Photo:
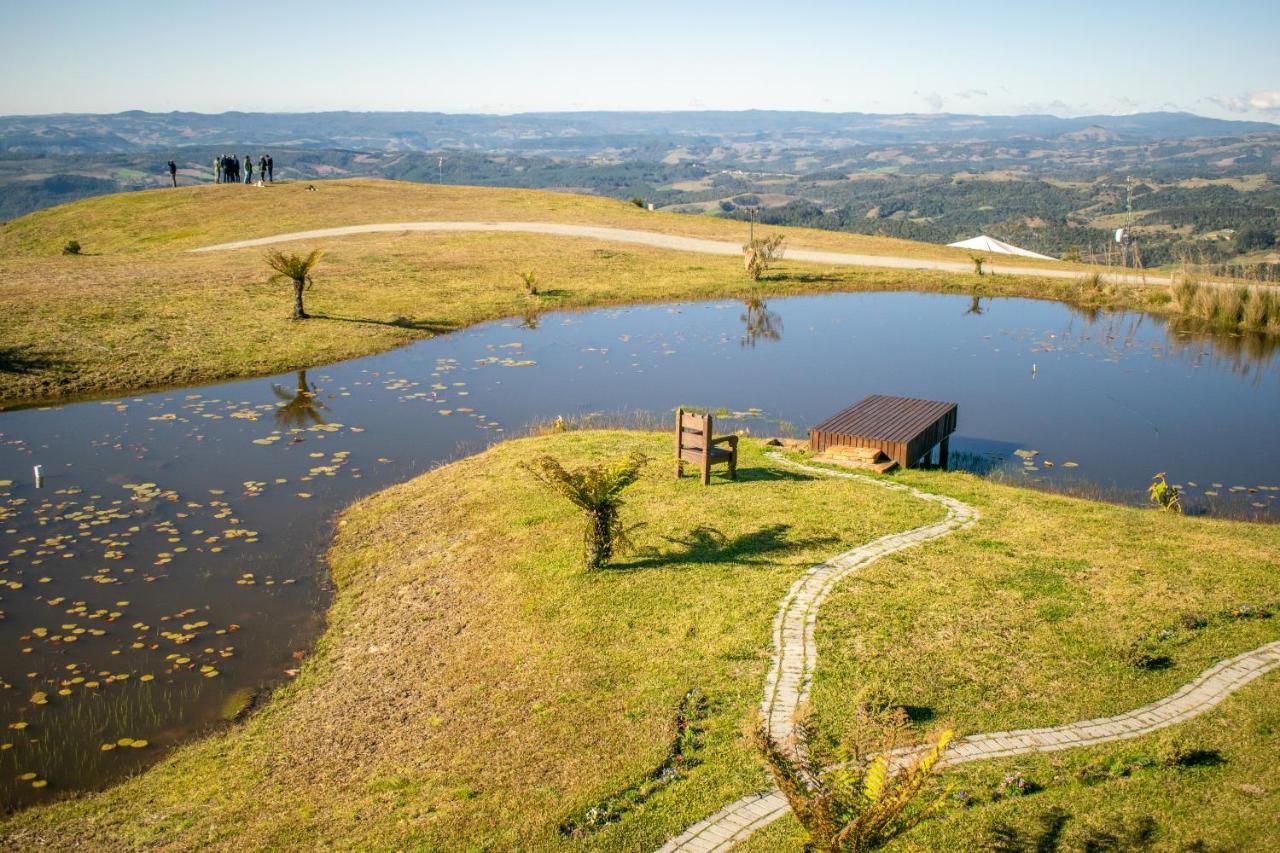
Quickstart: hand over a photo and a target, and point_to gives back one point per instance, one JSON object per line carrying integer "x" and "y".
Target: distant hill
{"x": 568, "y": 132}
{"x": 1054, "y": 185}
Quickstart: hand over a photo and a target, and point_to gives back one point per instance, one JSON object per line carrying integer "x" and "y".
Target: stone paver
{"x": 795, "y": 656}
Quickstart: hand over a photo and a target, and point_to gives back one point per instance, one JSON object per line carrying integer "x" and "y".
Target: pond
{"x": 171, "y": 564}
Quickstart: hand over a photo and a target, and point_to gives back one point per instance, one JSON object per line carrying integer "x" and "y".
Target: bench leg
{"x": 733, "y": 466}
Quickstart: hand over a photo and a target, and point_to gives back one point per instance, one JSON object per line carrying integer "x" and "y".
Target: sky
{"x": 1219, "y": 59}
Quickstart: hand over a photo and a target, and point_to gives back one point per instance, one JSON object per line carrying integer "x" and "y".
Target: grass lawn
{"x": 137, "y": 311}
{"x": 475, "y": 689}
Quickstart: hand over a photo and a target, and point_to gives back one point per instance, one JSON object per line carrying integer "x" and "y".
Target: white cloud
{"x": 934, "y": 100}
{"x": 1268, "y": 102}
{"x": 971, "y": 93}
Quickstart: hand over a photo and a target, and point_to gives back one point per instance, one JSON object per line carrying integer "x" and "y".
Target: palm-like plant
{"x": 859, "y": 803}
{"x": 597, "y": 491}
{"x": 297, "y": 270}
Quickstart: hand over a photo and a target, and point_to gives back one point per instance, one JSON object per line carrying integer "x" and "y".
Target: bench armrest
{"x": 730, "y": 439}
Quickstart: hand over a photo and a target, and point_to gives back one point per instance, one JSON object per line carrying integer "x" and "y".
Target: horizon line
{"x": 674, "y": 111}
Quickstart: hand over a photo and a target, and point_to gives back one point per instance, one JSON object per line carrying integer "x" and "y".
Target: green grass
{"x": 475, "y": 688}
{"x": 137, "y": 311}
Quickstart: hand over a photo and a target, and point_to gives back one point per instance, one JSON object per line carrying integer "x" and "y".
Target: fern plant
{"x": 860, "y": 802}
{"x": 597, "y": 491}
{"x": 1166, "y": 497}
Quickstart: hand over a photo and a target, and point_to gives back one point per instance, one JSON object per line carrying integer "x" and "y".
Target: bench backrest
{"x": 692, "y": 431}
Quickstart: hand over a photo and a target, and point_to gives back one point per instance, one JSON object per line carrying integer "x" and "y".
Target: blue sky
{"x": 1216, "y": 59}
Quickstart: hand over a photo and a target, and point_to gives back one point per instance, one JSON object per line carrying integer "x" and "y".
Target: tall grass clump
{"x": 597, "y": 491}
{"x": 1205, "y": 304}
{"x": 1231, "y": 300}
{"x": 1183, "y": 289}
{"x": 1260, "y": 308}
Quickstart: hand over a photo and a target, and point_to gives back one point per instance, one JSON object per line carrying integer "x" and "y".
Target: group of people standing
{"x": 229, "y": 170}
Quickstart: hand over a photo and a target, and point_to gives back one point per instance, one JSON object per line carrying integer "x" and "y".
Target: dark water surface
{"x": 172, "y": 562}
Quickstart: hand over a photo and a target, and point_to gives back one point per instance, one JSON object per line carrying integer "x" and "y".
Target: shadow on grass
{"x": 23, "y": 359}
{"x": 768, "y": 475}
{"x": 803, "y": 277}
{"x": 435, "y": 327}
{"x": 704, "y": 545}
{"x": 1119, "y": 834}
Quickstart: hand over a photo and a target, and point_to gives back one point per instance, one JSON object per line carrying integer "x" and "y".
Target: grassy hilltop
{"x": 138, "y": 311}
{"x": 475, "y": 688}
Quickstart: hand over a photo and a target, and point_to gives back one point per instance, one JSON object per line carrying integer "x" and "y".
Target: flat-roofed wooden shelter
{"x": 905, "y": 429}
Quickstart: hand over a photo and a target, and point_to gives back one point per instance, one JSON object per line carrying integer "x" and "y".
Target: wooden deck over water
{"x": 903, "y": 428}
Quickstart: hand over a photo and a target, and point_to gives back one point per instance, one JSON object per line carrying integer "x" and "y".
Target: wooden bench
{"x": 695, "y": 445}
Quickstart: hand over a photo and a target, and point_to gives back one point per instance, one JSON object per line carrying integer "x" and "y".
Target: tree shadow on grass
{"x": 24, "y": 359}
{"x": 801, "y": 277}
{"x": 704, "y": 545}
{"x": 770, "y": 475}
{"x": 435, "y": 327}
{"x": 1118, "y": 835}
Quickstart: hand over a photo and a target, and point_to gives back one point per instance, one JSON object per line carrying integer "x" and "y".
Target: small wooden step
{"x": 880, "y": 466}
{"x": 870, "y": 455}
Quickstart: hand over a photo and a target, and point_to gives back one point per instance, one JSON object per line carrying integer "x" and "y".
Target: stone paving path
{"x": 795, "y": 656}
{"x": 687, "y": 244}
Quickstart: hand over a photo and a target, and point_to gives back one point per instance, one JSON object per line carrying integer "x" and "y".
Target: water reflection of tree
{"x": 531, "y": 318}
{"x": 759, "y": 322}
{"x": 975, "y": 306}
{"x": 300, "y": 407}
{"x": 1243, "y": 351}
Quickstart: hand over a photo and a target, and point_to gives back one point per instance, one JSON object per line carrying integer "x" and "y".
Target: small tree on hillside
{"x": 597, "y": 491}
{"x": 759, "y": 254}
{"x": 297, "y": 270}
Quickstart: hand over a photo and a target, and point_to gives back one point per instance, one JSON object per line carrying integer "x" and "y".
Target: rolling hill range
{"x": 1203, "y": 189}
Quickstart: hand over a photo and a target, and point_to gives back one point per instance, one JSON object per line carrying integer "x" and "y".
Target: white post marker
{"x": 39, "y": 472}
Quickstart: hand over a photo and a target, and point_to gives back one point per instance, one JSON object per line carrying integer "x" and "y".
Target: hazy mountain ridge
{"x": 573, "y": 132}
{"x": 1202, "y": 187}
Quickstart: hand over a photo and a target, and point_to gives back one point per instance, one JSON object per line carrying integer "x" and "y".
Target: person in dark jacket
{"x": 262, "y": 167}
{"x": 271, "y": 170}
{"x": 173, "y": 172}
{"x": 248, "y": 169}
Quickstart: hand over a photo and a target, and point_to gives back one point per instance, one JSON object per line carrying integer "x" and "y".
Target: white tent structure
{"x": 983, "y": 243}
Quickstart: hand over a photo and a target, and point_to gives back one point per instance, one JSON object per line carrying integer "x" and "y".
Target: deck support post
{"x": 944, "y": 450}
